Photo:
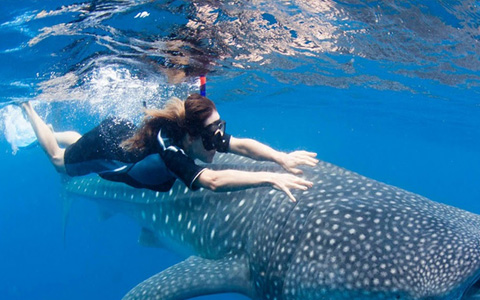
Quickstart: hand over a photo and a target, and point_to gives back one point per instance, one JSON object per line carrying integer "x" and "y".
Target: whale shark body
{"x": 348, "y": 237}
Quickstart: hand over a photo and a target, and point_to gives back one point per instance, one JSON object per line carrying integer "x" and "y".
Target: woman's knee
{"x": 58, "y": 160}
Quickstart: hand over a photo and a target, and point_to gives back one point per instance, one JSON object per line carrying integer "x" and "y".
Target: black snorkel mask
{"x": 214, "y": 136}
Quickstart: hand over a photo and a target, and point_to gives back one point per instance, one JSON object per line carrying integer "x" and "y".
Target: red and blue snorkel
{"x": 203, "y": 85}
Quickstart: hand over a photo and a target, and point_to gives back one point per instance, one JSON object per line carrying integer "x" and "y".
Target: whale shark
{"x": 347, "y": 237}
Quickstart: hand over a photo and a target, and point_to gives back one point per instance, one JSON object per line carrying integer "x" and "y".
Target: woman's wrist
{"x": 280, "y": 158}
{"x": 267, "y": 178}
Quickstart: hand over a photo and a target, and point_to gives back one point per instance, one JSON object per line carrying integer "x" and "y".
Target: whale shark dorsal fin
{"x": 196, "y": 276}
{"x": 66, "y": 206}
{"x": 148, "y": 239}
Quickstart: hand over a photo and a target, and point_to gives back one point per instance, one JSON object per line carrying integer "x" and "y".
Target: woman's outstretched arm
{"x": 258, "y": 151}
{"x": 227, "y": 180}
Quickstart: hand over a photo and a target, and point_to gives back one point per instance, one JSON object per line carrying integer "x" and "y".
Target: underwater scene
{"x": 386, "y": 89}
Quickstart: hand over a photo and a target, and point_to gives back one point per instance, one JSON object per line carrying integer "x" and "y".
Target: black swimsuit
{"x": 99, "y": 151}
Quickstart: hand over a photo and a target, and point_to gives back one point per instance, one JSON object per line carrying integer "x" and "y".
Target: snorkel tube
{"x": 203, "y": 85}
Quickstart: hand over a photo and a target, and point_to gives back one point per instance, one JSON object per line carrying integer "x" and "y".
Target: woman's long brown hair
{"x": 197, "y": 109}
{"x": 177, "y": 118}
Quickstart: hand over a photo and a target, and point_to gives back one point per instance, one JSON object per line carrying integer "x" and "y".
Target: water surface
{"x": 389, "y": 89}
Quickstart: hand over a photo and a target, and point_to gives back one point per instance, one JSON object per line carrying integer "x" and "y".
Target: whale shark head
{"x": 348, "y": 237}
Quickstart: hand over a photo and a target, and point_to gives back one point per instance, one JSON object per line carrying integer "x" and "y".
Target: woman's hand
{"x": 284, "y": 182}
{"x": 290, "y": 161}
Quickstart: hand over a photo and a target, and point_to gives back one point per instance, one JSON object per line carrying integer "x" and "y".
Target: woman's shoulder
{"x": 170, "y": 134}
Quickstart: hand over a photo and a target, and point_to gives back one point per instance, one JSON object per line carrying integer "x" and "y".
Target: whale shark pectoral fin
{"x": 194, "y": 277}
{"x": 104, "y": 214}
{"x": 148, "y": 239}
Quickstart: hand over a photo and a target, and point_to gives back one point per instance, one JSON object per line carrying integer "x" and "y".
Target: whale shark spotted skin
{"x": 347, "y": 237}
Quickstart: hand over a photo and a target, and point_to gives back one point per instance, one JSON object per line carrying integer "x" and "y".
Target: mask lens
{"x": 212, "y": 135}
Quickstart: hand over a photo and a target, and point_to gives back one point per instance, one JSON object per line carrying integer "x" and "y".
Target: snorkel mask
{"x": 214, "y": 136}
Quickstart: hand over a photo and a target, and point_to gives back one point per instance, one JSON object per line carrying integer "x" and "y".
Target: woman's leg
{"x": 46, "y": 138}
{"x": 66, "y": 138}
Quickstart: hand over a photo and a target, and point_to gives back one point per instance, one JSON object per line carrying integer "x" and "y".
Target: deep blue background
{"x": 427, "y": 142}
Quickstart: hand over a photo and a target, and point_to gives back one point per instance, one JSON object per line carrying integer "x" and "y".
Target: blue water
{"x": 387, "y": 89}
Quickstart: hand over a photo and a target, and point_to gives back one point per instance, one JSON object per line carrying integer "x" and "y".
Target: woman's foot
{"x": 26, "y": 107}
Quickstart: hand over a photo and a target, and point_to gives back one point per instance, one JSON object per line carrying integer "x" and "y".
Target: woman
{"x": 164, "y": 148}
